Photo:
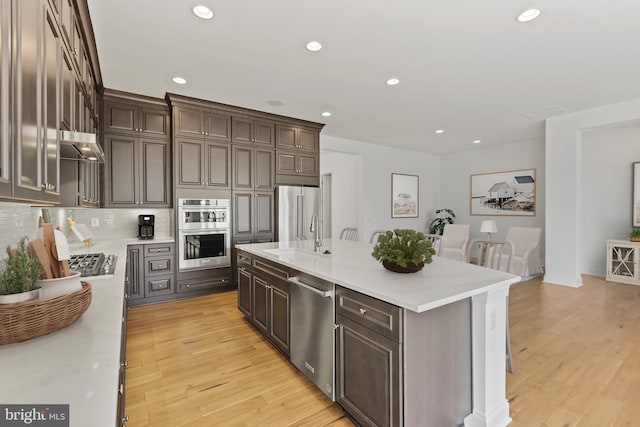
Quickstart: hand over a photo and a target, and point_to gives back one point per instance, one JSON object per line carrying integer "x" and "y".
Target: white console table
{"x": 623, "y": 261}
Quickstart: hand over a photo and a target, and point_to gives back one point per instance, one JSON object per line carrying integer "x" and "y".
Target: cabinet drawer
{"x": 202, "y": 284}
{"x": 376, "y": 315}
{"x": 159, "y": 286}
{"x": 244, "y": 260}
{"x": 155, "y": 266}
{"x": 158, "y": 249}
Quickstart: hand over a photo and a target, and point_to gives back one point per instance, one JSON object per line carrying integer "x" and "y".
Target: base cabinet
{"x": 150, "y": 272}
{"x": 623, "y": 261}
{"x": 263, "y": 297}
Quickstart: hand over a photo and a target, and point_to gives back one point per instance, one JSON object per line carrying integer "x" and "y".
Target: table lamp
{"x": 488, "y": 226}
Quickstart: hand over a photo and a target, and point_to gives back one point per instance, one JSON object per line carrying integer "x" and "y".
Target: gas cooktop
{"x": 97, "y": 264}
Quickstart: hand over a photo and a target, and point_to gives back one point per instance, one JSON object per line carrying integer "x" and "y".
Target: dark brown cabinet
{"x": 202, "y": 164}
{"x": 253, "y": 168}
{"x": 208, "y": 124}
{"x": 263, "y": 297}
{"x": 253, "y": 217}
{"x": 36, "y": 60}
{"x": 253, "y": 131}
{"x": 137, "y": 172}
{"x": 150, "y": 272}
{"x": 134, "y": 119}
{"x": 297, "y": 155}
{"x": 368, "y": 341}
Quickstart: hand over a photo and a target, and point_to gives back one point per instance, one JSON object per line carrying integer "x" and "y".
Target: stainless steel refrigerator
{"x": 294, "y": 208}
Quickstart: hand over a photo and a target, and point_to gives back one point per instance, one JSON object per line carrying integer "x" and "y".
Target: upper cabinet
{"x": 130, "y": 118}
{"x": 297, "y": 155}
{"x": 47, "y": 84}
{"x": 297, "y": 138}
{"x": 253, "y": 131}
{"x": 202, "y": 124}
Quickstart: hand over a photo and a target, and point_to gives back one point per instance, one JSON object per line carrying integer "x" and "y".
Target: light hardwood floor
{"x": 197, "y": 362}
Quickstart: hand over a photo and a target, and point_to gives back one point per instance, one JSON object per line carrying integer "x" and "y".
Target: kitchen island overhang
{"x": 439, "y": 284}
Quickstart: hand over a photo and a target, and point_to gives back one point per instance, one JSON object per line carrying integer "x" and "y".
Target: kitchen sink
{"x": 295, "y": 252}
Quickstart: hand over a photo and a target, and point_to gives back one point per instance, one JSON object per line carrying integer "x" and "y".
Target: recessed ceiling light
{"x": 393, "y": 81}
{"x": 477, "y": 141}
{"x": 528, "y": 15}
{"x": 202, "y": 12}
{"x": 275, "y": 103}
{"x": 439, "y": 131}
{"x": 179, "y": 80}
{"x": 326, "y": 114}
{"x": 314, "y": 46}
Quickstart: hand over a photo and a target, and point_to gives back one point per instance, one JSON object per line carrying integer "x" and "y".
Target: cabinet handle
{"x": 188, "y": 286}
{"x": 124, "y": 364}
{"x": 125, "y": 418}
{"x": 363, "y": 311}
{"x": 201, "y": 133}
{"x": 121, "y": 388}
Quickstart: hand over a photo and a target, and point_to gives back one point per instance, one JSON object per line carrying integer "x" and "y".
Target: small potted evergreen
{"x": 19, "y": 275}
{"x": 634, "y": 236}
{"x": 403, "y": 250}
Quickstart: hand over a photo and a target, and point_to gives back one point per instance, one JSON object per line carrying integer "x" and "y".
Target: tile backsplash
{"x": 18, "y": 220}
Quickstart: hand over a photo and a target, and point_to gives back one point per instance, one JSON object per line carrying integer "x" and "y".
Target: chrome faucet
{"x": 315, "y": 229}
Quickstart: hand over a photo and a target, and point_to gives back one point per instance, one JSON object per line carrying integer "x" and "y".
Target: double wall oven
{"x": 204, "y": 234}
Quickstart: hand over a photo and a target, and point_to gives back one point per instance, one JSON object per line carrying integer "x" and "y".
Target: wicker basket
{"x": 30, "y": 319}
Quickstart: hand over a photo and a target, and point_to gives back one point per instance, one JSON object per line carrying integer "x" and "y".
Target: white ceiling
{"x": 465, "y": 66}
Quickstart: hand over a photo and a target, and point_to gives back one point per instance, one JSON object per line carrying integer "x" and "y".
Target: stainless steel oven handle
{"x": 298, "y": 282}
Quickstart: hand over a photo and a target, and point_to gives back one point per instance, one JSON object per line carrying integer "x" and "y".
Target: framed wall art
{"x": 404, "y": 196}
{"x": 636, "y": 194}
{"x": 504, "y": 193}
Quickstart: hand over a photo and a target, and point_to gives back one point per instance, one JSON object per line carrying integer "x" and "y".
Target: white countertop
{"x": 77, "y": 365}
{"x": 351, "y": 265}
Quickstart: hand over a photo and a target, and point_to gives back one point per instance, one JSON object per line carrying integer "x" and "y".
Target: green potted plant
{"x": 403, "y": 250}
{"x": 634, "y": 236}
{"x": 443, "y": 217}
{"x": 19, "y": 275}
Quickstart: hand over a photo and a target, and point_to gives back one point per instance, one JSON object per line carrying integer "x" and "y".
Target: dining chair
{"x": 497, "y": 255}
{"x": 453, "y": 244}
{"x": 375, "y": 235}
{"x": 526, "y": 250}
{"x": 349, "y": 233}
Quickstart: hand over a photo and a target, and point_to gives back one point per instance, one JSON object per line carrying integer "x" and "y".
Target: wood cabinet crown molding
{"x": 186, "y": 101}
{"x": 119, "y": 95}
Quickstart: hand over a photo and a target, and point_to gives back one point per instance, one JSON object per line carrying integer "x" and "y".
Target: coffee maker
{"x": 145, "y": 226}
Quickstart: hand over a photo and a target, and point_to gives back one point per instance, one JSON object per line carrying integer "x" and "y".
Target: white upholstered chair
{"x": 526, "y": 250}
{"x": 349, "y": 233}
{"x": 453, "y": 244}
{"x": 496, "y": 255}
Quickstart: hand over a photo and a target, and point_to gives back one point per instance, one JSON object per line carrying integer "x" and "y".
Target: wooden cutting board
{"x": 38, "y": 250}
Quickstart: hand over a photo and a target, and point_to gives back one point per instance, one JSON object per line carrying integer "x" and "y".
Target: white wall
{"x": 345, "y": 170}
{"x": 606, "y": 190}
{"x": 565, "y": 212}
{"x": 457, "y": 169}
{"x": 374, "y": 196}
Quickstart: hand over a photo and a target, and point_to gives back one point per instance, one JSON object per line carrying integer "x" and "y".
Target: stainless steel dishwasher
{"x": 312, "y": 332}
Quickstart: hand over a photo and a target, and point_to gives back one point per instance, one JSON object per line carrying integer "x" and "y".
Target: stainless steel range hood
{"x": 80, "y": 146}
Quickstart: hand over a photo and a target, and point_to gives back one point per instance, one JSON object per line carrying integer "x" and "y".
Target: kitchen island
{"x": 440, "y": 307}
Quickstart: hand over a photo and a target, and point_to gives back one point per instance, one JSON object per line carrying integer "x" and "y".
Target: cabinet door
{"x": 367, "y": 375}
{"x": 280, "y": 315}
{"x": 286, "y": 137}
{"x": 28, "y": 130}
{"x": 264, "y": 133}
{"x": 308, "y": 164}
{"x": 264, "y": 169}
{"x": 67, "y": 97}
{"x": 217, "y": 126}
{"x": 242, "y": 219}
{"x": 153, "y": 122}
{"x": 244, "y": 291}
{"x": 242, "y": 129}
{"x": 189, "y": 163}
{"x": 242, "y": 167}
{"x": 286, "y": 163}
{"x": 51, "y": 78}
{"x": 120, "y": 117}
{"x": 135, "y": 272}
{"x": 188, "y": 123}
{"x": 5, "y": 101}
{"x": 66, "y": 19}
{"x": 308, "y": 140}
{"x": 121, "y": 159}
{"x": 218, "y": 165}
{"x": 263, "y": 217}
{"x": 154, "y": 173}
{"x": 261, "y": 303}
